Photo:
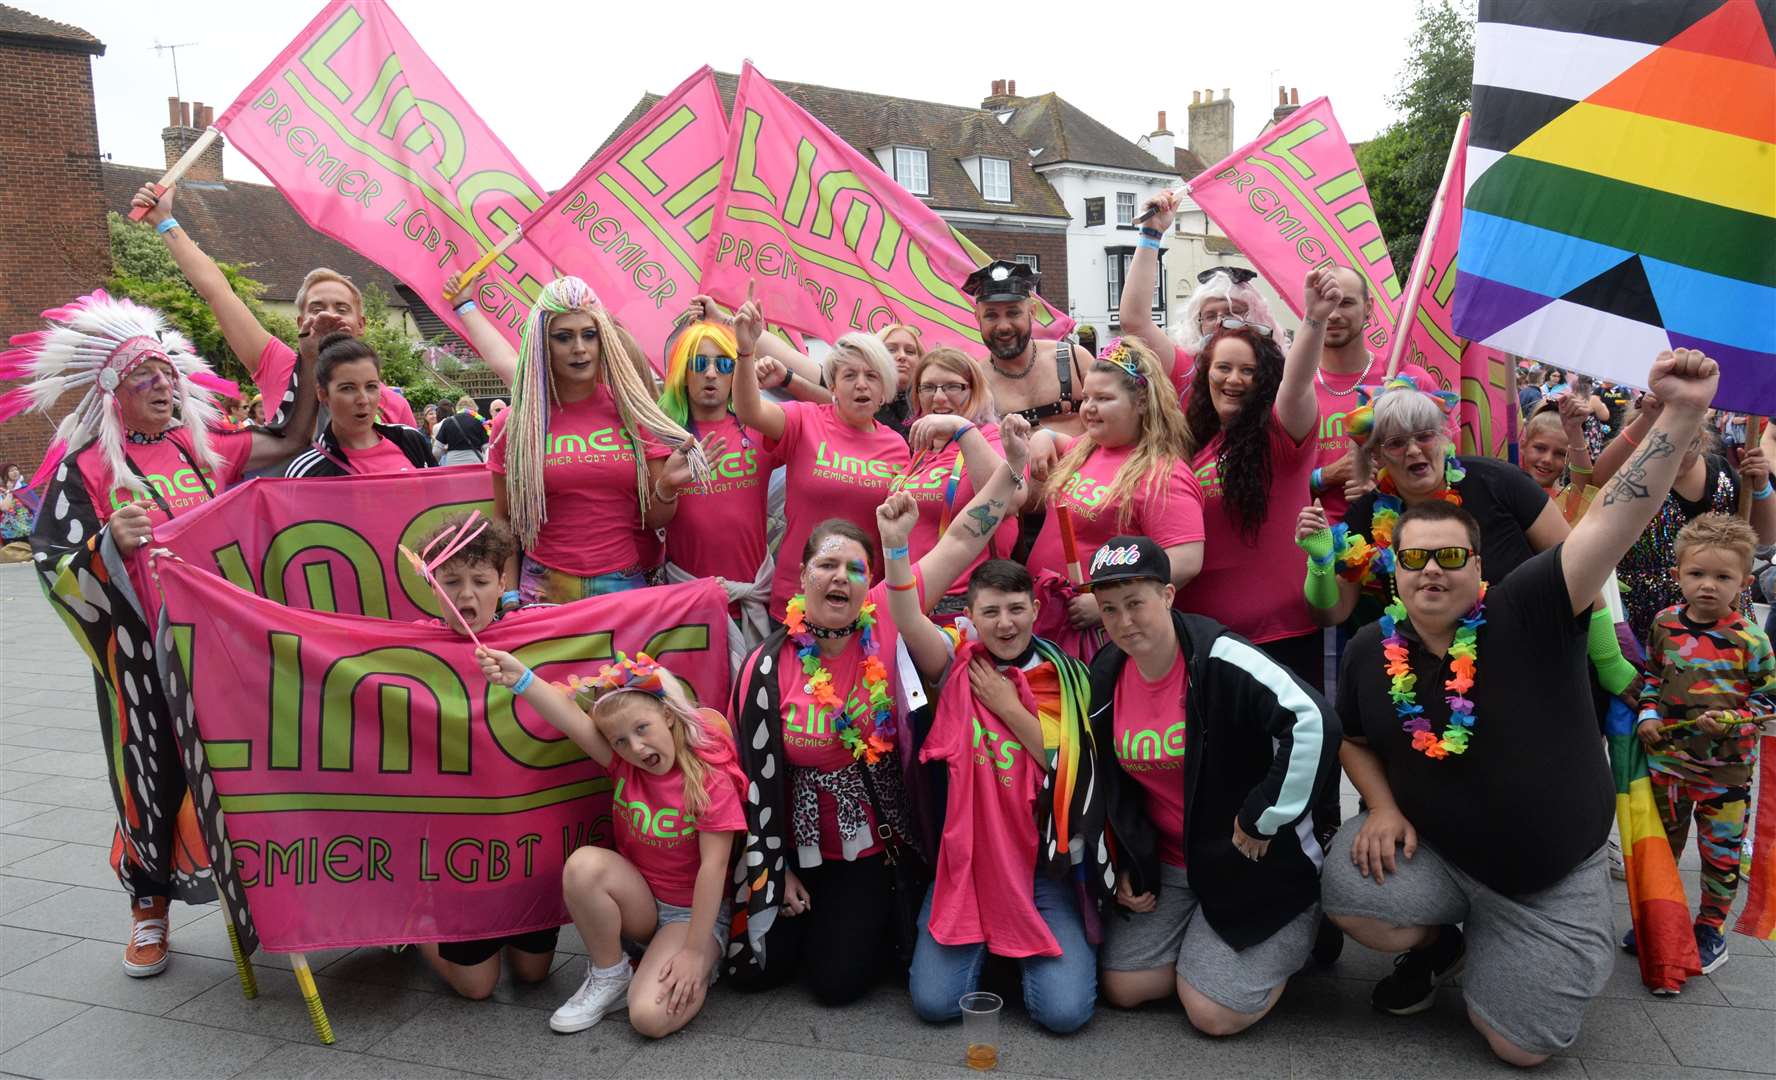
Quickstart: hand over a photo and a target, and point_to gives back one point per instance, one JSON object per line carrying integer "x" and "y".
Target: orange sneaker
{"x": 146, "y": 953}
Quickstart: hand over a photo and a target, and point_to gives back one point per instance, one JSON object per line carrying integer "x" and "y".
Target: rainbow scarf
{"x": 1759, "y": 917}
{"x": 1665, "y": 942}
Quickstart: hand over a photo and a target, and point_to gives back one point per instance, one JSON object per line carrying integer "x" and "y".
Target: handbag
{"x": 908, "y": 875}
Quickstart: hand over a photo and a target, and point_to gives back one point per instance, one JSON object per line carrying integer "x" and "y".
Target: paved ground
{"x": 67, "y": 1010}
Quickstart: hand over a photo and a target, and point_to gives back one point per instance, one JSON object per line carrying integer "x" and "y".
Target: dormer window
{"x": 911, "y": 170}
{"x": 996, "y": 180}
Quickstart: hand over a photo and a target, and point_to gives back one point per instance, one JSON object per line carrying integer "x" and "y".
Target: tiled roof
{"x": 948, "y": 133}
{"x": 22, "y": 26}
{"x": 1190, "y": 164}
{"x": 253, "y": 225}
{"x": 1058, "y": 131}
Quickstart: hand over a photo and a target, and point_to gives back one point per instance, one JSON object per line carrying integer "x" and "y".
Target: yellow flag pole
{"x": 454, "y": 287}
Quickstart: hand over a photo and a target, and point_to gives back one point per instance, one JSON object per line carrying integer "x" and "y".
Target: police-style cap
{"x": 1129, "y": 558}
{"x": 1001, "y": 280}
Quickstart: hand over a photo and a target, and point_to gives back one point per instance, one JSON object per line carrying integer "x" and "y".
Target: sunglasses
{"x": 1449, "y": 558}
{"x": 1426, "y": 440}
{"x": 1234, "y": 322}
{"x": 723, "y": 364}
{"x": 1239, "y": 274}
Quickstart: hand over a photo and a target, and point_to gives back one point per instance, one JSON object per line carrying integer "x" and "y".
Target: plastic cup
{"x": 980, "y": 1027}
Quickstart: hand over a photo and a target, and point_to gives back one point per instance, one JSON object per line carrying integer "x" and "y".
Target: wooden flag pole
{"x": 454, "y": 287}
{"x": 179, "y": 169}
{"x": 1421, "y": 262}
{"x": 1754, "y": 436}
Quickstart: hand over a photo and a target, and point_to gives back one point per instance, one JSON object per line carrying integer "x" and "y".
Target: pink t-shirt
{"x": 272, "y": 376}
{"x": 1170, "y": 514}
{"x": 1241, "y": 585}
{"x": 833, "y": 471}
{"x": 988, "y": 855}
{"x": 811, "y": 738}
{"x": 384, "y": 457}
{"x": 1149, "y": 740}
{"x": 1335, "y": 403}
{"x": 927, "y": 487}
{"x": 395, "y": 408}
{"x": 719, "y": 530}
{"x": 653, "y": 830}
{"x": 171, "y": 468}
{"x": 589, "y": 484}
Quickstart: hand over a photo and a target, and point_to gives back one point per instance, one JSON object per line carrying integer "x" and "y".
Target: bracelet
{"x": 1148, "y": 230}
{"x": 788, "y": 377}
{"x": 1319, "y": 480}
{"x": 1628, "y": 437}
{"x": 168, "y": 225}
{"x": 1767, "y": 491}
{"x": 1148, "y": 242}
{"x": 465, "y": 305}
{"x": 895, "y": 553}
{"x": 908, "y": 587}
{"x": 523, "y": 682}
{"x": 511, "y": 599}
{"x": 660, "y": 496}
{"x": 1580, "y": 469}
{"x": 961, "y": 431}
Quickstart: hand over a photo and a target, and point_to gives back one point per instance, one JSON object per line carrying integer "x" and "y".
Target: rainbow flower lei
{"x": 880, "y": 739}
{"x": 1464, "y": 659}
{"x": 1370, "y": 563}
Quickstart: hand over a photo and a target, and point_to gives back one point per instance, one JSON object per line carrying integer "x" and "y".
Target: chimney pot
{"x": 1226, "y": 94}
{"x": 1011, "y": 87}
{"x": 172, "y": 112}
{"x": 1162, "y": 120}
{"x": 1294, "y": 96}
{"x": 1282, "y": 96}
{"x": 184, "y": 114}
{"x": 998, "y": 87}
{"x": 1196, "y": 97}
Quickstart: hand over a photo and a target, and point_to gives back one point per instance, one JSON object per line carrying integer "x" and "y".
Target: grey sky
{"x": 552, "y": 79}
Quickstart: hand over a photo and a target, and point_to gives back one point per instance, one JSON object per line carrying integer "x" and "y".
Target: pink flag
{"x": 1483, "y": 376}
{"x": 633, "y": 222}
{"x": 1293, "y": 200}
{"x": 833, "y": 242}
{"x": 374, "y": 147}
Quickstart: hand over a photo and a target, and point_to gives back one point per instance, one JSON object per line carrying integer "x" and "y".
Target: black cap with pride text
{"x": 1129, "y": 558}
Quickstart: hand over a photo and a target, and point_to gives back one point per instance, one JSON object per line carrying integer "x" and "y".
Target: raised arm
{"x": 272, "y": 447}
{"x": 968, "y": 534}
{"x": 484, "y": 337}
{"x": 1136, "y": 304}
{"x": 1297, "y": 406}
{"x": 504, "y": 669}
{"x": 1685, "y": 381}
{"x": 753, "y": 408}
{"x": 895, "y": 519}
{"x": 1623, "y": 446}
{"x": 239, "y": 328}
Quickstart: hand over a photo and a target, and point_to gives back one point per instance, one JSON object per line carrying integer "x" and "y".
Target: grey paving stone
{"x": 1741, "y": 945}
{"x": 1366, "y": 1059}
{"x": 1624, "y": 982}
{"x": 17, "y": 893}
{"x": 1714, "y": 1037}
{"x": 507, "y": 1040}
{"x": 14, "y": 848}
{"x": 14, "y": 757}
{"x": 1618, "y": 1029}
{"x": 100, "y": 914}
{"x": 16, "y": 778}
{"x": 19, "y": 946}
{"x": 27, "y": 1016}
{"x": 83, "y": 764}
{"x": 13, "y": 730}
{"x": 406, "y": 969}
{"x": 12, "y": 810}
{"x": 58, "y": 738}
{"x": 359, "y": 1014}
{"x": 94, "y": 828}
{"x": 1748, "y": 982}
{"x": 60, "y": 791}
{"x": 303, "y": 1061}
{"x": 203, "y": 933}
{"x": 79, "y": 718}
{"x": 92, "y": 971}
{"x": 111, "y": 1043}
{"x": 698, "y": 1053}
{"x": 70, "y": 864}
{"x": 1629, "y": 1070}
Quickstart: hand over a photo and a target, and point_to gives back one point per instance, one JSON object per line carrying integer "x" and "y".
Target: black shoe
{"x": 1417, "y": 974}
{"x": 1328, "y": 943}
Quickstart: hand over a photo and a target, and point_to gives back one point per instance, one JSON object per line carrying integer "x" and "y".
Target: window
{"x": 1116, "y": 262}
{"x": 1094, "y": 212}
{"x": 1030, "y": 261}
{"x": 1125, "y": 208}
{"x": 995, "y": 179}
{"x": 910, "y": 170}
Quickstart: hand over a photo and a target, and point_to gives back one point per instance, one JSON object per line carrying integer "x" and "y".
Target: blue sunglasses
{"x": 723, "y": 364}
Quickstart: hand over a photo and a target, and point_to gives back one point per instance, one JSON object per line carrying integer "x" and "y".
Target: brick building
{"x": 53, "y": 243}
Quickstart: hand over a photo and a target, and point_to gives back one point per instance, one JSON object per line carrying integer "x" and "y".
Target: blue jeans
{"x": 1059, "y": 991}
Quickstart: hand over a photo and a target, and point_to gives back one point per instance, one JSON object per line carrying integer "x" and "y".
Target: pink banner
{"x": 362, "y": 783}
{"x": 1484, "y": 376}
{"x": 1293, "y": 200}
{"x": 633, "y": 222}
{"x": 374, "y": 147}
{"x": 834, "y": 243}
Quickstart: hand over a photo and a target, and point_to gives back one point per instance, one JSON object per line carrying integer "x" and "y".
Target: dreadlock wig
{"x": 675, "y": 400}
{"x": 527, "y": 431}
{"x": 94, "y": 343}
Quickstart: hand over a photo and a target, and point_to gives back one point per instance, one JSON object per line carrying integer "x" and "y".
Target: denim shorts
{"x": 666, "y": 914}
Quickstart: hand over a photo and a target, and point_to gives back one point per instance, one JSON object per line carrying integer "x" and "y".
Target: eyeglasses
{"x": 1425, "y": 440}
{"x": 1449, "y": 558}
{"x": 723, "y": 364}
{"x": 1234, "y": 322}
{"x": 1239, "y": 274}
{"x": 951, "y": 390}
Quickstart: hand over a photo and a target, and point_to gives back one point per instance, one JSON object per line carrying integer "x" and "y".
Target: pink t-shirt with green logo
{"x": 1149, "y": 745}
{"x": 170, "y": 467}
{"x": 927, "y": 488}
{"x": 1241, "y": 585}
{"x": 653, "y": 830}
{"x": 1337, "y": 396}
{"x": 833, "y": 471}
{"x": 1170, "y": 513}
{"x": 589, "y": 485}
{"x": 719, "y": 530}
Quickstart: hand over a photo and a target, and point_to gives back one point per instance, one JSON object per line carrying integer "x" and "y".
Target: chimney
{"x": 1196, "y": 97}
{"x": 1003, "y": 97}
{"x": 186, "y": 120}
{"x": 1162, "y": 144}
{"x": 1211, "y": 126}
{"x": 1286, "y": 104}
{"x": 1011, "y": 87}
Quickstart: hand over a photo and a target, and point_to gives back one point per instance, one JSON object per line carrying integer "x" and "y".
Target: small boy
{"x": 1710, "y": 674}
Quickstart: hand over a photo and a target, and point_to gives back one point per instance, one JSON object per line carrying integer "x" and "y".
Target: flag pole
{"x": 1754, "y": 436}
{"x": 454, "y": 287}
{"x": 179, "y": 169}
{"x": 1422, "y": 259}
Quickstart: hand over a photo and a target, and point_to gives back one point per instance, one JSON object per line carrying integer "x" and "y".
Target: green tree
{"x": 403, "y": 359}
{"x": 1404, "y": 164}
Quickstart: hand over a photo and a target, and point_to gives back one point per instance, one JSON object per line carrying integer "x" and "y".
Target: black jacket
{"x": 325, "y": 458}
{"x": 1260, "y": 745}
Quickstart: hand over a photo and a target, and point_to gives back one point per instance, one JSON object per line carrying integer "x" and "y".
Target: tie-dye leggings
{"x": 1720, "y": 811}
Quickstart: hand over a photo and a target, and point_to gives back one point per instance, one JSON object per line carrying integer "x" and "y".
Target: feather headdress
{"x": 94, "y": 343}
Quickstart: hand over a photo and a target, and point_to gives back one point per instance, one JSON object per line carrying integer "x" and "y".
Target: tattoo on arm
{"x": 986, "y": 517}
{"x": 1630, "y": 483}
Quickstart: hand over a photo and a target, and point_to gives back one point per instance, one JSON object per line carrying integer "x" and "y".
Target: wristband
{"x": 1579, "y": 469}
{"x": 1147, "y": 242}
{"x": 1767, "y": 491}
{"x": 1319, "y": 480}
{"x": 523, "y": 682}
{"x": 1628, "y": 437}
{"x": 660, "y": 496}
{"x": 908, "y": 587}
{"x": 895, "y": 553}
{"x": 168, "y": 225}
{"x": 466, "y": 305}
{"x": 511, "y": 599}
{"x": 961, "y": 431}
{"x": 1148, "y": 230}
{"x": 788, "y": 377}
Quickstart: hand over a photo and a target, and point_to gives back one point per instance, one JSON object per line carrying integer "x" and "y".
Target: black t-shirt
{"x": 1532, "y": 797}
{"x": 459, "y": 431}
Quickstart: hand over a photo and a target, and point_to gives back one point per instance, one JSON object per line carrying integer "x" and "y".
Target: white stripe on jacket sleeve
{"x": 1307, "y": 738}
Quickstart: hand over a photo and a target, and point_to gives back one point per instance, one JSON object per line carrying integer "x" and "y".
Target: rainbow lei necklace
{"x": 1464, "y": 658}
{"x": 877, "y": 705}
{"x": 1369, "y": 563}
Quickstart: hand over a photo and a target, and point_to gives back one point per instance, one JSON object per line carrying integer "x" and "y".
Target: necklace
{"x": 880, "y": 739}
{"x": 1370, "y": 563}
{"x": 1463, "y": 660}
{"x": 1029, "y": 367}
{"x": 140, "y": 439}
{"x": 1320, "y": 374}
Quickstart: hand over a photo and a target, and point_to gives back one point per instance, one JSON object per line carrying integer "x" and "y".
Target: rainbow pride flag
{"x": 1621, "y": 188}
{"x": 1758, "y": 919}
{"x": 1662, "y": 926}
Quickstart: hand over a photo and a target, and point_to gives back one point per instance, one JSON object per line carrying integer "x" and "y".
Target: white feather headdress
{"x": 94, "y": 342}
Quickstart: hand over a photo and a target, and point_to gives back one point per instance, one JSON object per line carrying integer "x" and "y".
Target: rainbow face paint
{"x": 858, "y": 571}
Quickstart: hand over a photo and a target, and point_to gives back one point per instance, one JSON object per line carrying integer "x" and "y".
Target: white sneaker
{"x": 596, "y": 996}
